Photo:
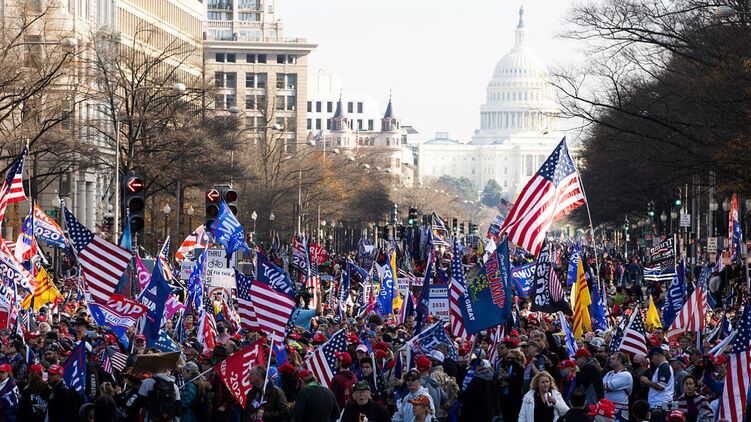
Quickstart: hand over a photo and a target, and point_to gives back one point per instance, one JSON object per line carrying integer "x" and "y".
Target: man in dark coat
{"x": 314, "y": 403}
{"x": 363, "y": 406}
{"x": 481, "y": 399}
{"x": 64, "y": 402}
{"x": 269, "y": 406}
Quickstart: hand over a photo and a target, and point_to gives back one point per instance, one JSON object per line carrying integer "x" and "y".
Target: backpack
{"x": 162, "y": 401}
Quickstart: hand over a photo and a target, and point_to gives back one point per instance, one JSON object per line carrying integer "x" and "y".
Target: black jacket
{"x": 275, "y": 408}
{"x": 373, "y": 411}
{"x": 315, "y": 403}
{"x": 33, "y": 407}
{"x": 576, "y": 415}
{"x": 481, "y": 399}
{"x": 64, "y": 403}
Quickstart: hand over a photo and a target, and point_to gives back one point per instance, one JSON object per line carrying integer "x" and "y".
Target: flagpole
{"x": 589, "y": 216}
{"x": 268, "y": 366}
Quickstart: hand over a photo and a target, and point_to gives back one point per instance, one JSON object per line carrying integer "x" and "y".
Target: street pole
{"x": 116, "y": 205}
{"x": 299, "y": 200}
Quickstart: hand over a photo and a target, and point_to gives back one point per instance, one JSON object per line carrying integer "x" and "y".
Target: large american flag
{"x": 102, "y": 262}
{"x": 738, "y": 378}
{"x": 314, "y": 283}
{"x": 244, "y": 302}
{"x": 456, "y": 291}
{"x": 692, "y": 315}
{"x": 272, "y": 307}
{"x": 552, "y": 192}
{"x": 322, "y": 363}
{"x": 634, "y": 340}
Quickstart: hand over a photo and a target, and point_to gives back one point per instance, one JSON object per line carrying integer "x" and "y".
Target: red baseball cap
{"x": 568, "y": 363}
{"x": 604, "y": 408}
{"x": 36, "y": 369}
{"x": 5, "y": 368}
{"x": 55, "y": 370}
{"x": 582, "y": 353}
{"x": 345, "y": 358}
{"x": 422, "y": 363}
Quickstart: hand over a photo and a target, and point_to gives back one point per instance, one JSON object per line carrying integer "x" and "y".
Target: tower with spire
{"x": 340, "y": 122}
{"x": 389, "y": 122}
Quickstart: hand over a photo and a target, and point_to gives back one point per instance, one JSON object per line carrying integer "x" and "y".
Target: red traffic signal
{"x": 135, "y": 184}
{"x": 230, "y": 195}
{"x": 212, "y": 195}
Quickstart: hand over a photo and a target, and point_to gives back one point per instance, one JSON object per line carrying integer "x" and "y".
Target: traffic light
{"x": 472, "y": 228}
{"x": 461, "y": 228}
{"x": 134, "y": 201}
{"x": 384, "y": 234}
{"x": 230, "y": 197}
{"x": 454, "y": 224}
{"x": 213, "y": 199}
{"x": 401, "y": 231}
{"x": 651, "y": 209}
{"x": 677, "y": 203}
{"x": 412, "y": 217}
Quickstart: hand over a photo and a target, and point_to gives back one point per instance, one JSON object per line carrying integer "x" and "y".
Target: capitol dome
{"x": 519, "y": 96}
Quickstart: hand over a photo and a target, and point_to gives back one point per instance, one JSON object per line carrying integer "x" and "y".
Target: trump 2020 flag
{"x": 523, "y": 278}
{"x": 155, "y": 299}
{"x": 676, "y": 296}
{"x": 547, "y": 292}
{"x": 228, "y": 231}
{"x": 384, "y": 304}
{"x": 74, "y": 367}
{"x": 487, "y": 299}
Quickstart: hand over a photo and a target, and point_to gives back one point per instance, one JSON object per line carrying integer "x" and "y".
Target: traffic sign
{"x": 212, "y": 195}
{"x": 685, "y": 220}
{"x": 135, "y": 184}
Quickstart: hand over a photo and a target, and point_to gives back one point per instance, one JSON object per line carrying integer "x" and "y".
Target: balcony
{"x": 219, "y": 5}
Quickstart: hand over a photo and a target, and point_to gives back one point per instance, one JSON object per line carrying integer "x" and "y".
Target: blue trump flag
{"x": 573, "y": 263}
{"x": 267, "y": 272}
{"x": 345, "y": 284}
{"x": 385, "y": 301}
{"x": 676, "y": 296}
{"x": 164, "y": 343}
{"x": 523, "y": 277}
{"x": 434, "y": 335}
{"x": 195, "y": 284}
{"x": 597, "y": 309}
{"x": 228, "y": 231}
{"x": 155, "y": 298}
{"x": 487, "y": 300}
{"x": 74, "y": 374}
{"x": 568, "y": 335}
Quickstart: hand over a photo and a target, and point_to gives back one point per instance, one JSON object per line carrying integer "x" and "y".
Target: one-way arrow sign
{"x": 212, "y": 195}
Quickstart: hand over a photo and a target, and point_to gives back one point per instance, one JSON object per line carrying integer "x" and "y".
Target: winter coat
{"x": 275, "y": 407}
{"x": 64, "y": 403}
{"x": 404, "y": 414}
{"x": 188, "y": 396}
{"x": 437, "y": 393}
{"x": 315, "y": 403}
{"x": 527, "y": 413}
{"x": 33, "y": 407}
{"x": 343, "y": 385}
{"x": 9, "y": 396}
{"x": 482, "y": 398}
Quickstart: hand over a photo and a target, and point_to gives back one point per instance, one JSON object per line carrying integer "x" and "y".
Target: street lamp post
{"x": 271, "y": 225}
{"x": 166, "y": 210}
{"x": 253, "y": 217}
{"x": 191, "y": 211}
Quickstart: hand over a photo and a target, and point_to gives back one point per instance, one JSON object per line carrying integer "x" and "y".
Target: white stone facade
{"x": 519, "y": 126}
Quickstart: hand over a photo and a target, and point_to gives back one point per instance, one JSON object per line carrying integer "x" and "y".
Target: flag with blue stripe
{"x": 676, "y": 296}
{"x": 228, "y": 231}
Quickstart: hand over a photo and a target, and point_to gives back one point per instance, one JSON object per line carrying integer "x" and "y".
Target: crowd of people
{"x": 527, "y": 374}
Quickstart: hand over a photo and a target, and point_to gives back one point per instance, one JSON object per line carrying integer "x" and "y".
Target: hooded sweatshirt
{"x": 404, "y": 414}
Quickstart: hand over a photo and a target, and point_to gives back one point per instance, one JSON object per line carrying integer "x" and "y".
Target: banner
{"x": 155, "y": 298}
{"x": 163, "y": 343}
{"x": 235, "y": 369}
{"x": 663, "y": 253}
{"x": 47, "y": 229}
{"x": 522, "y": 278}
{"x": 547, "y": 292}
{"x": 439, "y": 302}
{"x": 74, "y": 374}
{"x": 228, "y": 231}
{"x": 487, "y": 299}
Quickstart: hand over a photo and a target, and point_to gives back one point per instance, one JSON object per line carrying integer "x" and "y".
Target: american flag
{"x": 102, "y": 262}
{"x": 552, "y": 192}
{"x": 456, "y": 291}
{"x": 615, "y": 341}
{"x": 634, "y": 339}
{"x": 439, "y": 232}
{"x": 14, "y": 179}
{"x": 198, "y": 239}
{"x": 496, "y": 334}
{"x": 273, "y": 308}
{"x": 322, "y": 363}
{"x": 314, "y": 283}
{"x": 244, "y": 302}
{"x": 164, "y": 259}
{"x": 737, "y": 380}
{"x": 207, "y": 325}
{"x": 105, "y": 363}
{"x": 692, "y": 315}
{"x": 659, "y": 274}
{"x": 117, "y": 360}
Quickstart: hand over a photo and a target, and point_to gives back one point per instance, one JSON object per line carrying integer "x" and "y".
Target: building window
{"x": 286, "y": 80}
{"x": 318, "y": 106}
{"x": 248, "y": 17}
{"x": 250, "y": 102}
{"x": 214, "y": 16}
{"x": 281, "y": 58}
{"x": 255, "y": 80}
{"x": 328, "y": 124}
{"x": 350, "y": 107}
{"x": 359, "y": 107}
{"x": 220, "y": 57}
{"x": 329, "y": 106}
{"x": 291, "y": 100}
{"x": 225, "y": 79}
{"x": 310, "y": 124}
{"x": 231, "y": 58}
{"x": 231, "y": 79}
{"x": 310, "y": 107}
{"x": 231, "y": 100}
{"x": 280, "y": 102}
{"x": 260, "y": 58}
{"x": 359, "y": 124}
{"x": 318, "y": 124}
{"x": 370, "y": 124}
{"x": 219, "y": 102}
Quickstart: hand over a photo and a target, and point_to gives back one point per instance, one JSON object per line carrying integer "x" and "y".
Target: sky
{"x": 436, "y": 56}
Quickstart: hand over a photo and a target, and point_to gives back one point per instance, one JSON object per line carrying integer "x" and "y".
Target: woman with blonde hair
{"x": 543, "y": 402}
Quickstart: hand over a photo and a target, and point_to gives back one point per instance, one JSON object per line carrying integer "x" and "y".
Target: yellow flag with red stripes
{"x": 44, "y": 292}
